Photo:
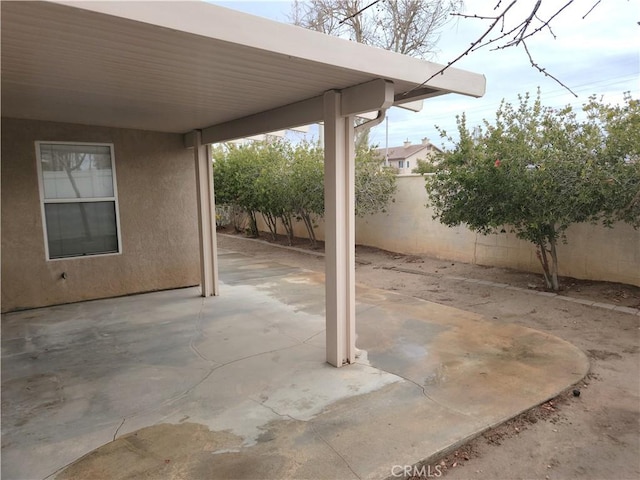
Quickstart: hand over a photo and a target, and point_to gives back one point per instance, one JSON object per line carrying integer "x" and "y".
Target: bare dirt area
{"x": 593, "y": 435}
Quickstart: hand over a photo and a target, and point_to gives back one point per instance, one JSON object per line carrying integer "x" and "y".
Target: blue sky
{"x": 597, "y": 55}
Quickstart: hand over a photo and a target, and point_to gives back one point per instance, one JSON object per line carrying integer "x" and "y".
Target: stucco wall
{"x": 593, "y": 252}
{"x": 156, "y": 192}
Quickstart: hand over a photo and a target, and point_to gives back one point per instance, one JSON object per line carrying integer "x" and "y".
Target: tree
{"x": 405, "y": 26}
{"x": 307, "y": 177}
{"x": 536, "y": 171}
{"x": 256, "y": 179}
{"x": 619, "y": 125}
{"x": 273, "y": 188}
{"x": 425, "y": 166}
{"x": 285, "y": 183}
{"x": 235, "y": 172}
{"x": 291, "y": 186}
{"x": 375, "y": 184}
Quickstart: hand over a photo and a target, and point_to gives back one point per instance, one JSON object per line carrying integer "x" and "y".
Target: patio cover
{"x": 214, "y": 74}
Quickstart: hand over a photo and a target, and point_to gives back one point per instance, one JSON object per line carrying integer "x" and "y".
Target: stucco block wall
{"x": 156, "y": 192}
{"x": 593, "y": 252}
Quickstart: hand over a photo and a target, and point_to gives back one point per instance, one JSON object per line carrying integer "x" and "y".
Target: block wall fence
{"x": 593, "y": 252}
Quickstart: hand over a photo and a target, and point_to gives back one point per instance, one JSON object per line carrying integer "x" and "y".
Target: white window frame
{"x": 44, "y": 201}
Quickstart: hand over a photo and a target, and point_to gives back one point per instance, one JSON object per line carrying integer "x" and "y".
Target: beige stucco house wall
{"x": 593, "y": 252}
{"x": 156, "y": 192}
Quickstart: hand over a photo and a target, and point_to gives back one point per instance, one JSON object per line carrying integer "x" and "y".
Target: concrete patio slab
{"x": 172, "y": 385}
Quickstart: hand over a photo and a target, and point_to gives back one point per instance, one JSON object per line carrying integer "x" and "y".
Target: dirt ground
{"x": 595, "y": 435}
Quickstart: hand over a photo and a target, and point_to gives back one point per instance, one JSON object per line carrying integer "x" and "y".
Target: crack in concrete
{"x": 118, "y": 429}
{"x": 186, "y": 392}
{"x": 73, "y": 461}
{"x": 313, "y": 336}
{"x": 421, "y": 387}
{"x": 214, "y": 366}
{"x": 370, "y": 307}
{"x": 334, "y": 450}
{"x": 273, "y": 410}
{"x": 300, "y": 342}
{"x": 197, "y": 332}
{"x": 315, "y": 432}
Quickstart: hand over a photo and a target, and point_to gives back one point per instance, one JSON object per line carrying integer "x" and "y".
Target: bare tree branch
{"x": 359, "y": 11}
{"x": 546, "y": 23}
{"x": 591, "y": 9}
{"x": 526, "y": 24}
{"x": 496, "y": 20}
{"x": 410, "y": 27}
{"x": 514, "y": 37}
{"x": 544, "y": 71}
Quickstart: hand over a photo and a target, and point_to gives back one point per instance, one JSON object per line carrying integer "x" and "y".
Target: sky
{"x": 598, "y": 55}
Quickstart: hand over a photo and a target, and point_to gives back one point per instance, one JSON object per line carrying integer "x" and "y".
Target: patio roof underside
{"x": 180, "y": 66}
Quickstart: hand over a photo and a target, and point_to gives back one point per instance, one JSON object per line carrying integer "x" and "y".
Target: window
{"x": 401, "y": 164}
{"x": 407, "y": 163}
{"x": 79, "y": 199}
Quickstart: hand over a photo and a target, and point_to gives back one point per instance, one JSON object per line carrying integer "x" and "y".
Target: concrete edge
{"x": 589, "y": 303}
{"x": 265, "y": 242}
{"x": 472, "y": 436}
{"x": 443, "y": 452}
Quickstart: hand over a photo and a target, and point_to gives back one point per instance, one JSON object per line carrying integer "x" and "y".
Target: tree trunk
{"x": 550, "y": 268}
{"x": 287, "y": 222}
{"x": 253, "y": 224}
{"x": 306, "y": 218}
{"x": 272, "y": 223}
{"x": 554, "y": 265}
{"x": 541, "y": 253}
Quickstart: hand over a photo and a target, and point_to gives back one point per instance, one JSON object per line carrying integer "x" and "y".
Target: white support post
{"x": 206, "y": 217}
{"x": 339, "y": 181}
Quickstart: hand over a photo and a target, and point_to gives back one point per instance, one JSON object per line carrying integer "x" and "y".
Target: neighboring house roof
{"x": 403, "y": 152}
{"x": 180, "y": 66}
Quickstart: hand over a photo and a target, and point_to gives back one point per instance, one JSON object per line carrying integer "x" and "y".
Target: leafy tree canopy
{"x": 285, "y": 182}
{"x": 375, "y": 184}
{"x": 537, "y": 170}
{"x": 425, "y": 166}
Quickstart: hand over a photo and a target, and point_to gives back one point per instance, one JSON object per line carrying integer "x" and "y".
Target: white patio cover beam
{"x": 373, "y": 95}
{"x": 206, "y": 217}
{"x": 293, "y": 115}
